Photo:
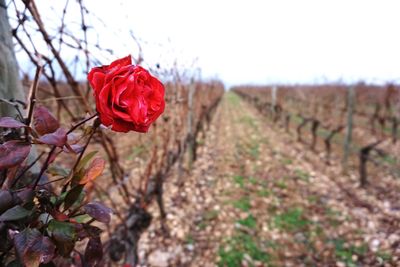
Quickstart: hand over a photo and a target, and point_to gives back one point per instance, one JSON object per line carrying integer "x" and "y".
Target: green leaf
{"x": 84, "y": 161}
{"x": 63, "y": 230}
{"x": 72, "y": 196}
{"x": 82, "y": 218}
{"x": 58, "y": 171}
{"x": 15, "y": 213}
{"x": 64, "y": 236}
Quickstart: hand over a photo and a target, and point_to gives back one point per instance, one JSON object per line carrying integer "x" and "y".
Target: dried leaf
{"x": 58, "y": 138}
{"x": 8, "y": 122}
{"x": 94, "y": 170}
{"x": 85, "y": 160}
{"x": 13, "y": 153}
{"x": 98, "y": 211}
{"x": 44, "y": 122}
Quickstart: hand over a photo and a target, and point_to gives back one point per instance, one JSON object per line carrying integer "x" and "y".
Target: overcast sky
{"x": 261, "y": 41}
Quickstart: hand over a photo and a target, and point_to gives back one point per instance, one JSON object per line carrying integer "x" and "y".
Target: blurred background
{"x": 279, "y": 145}
{"x": 257, "y": 42}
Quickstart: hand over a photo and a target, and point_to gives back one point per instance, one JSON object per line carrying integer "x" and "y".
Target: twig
{"x": 15, "y": 103}
{"x": 44, "y": 167}
{"x": 50, "y": 182}
{"x": 81, "y": 123}
{"x": 32, "y": 95}
{"x": 71, "y": 173}
{"x": 26, "y": 169}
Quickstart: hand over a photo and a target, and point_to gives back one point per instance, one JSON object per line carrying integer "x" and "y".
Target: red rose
{"x": 128, "y": 98}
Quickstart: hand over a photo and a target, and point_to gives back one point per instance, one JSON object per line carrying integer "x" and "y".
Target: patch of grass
{"x": 333, "y": 217}
{"x": 281, "y": 184}
{"x": 232, "y": 253}
{"x": 254, "y": 150}
{"x": 137, "y": 151}
{"x": 389, "y": 160}
{"x": 189, "y": 239}
{"x": 243, "y": 204}
{"x": 207, "y": 216}
{"x": 202, "y": 225}
{"x": 200, "y": 142}
{"x": 312, "y": 199}
{"x": 345, "y": 253}
{"x": 302, "y": 175}
{"x": 297, "y": 119}
{"x": 239, "y": 180}
{"x": 250, "y": 121}
{"x": 253, "y": 180}
{"x": 250, "y": 222}
{"x": 286, "y": 161}
{"x": 264, "y": 193}
{"x": 233, "y": 98}
{"x": 210, "y": 215}
{"x": 384, "y": 256}
{"x": 292, "y": 220}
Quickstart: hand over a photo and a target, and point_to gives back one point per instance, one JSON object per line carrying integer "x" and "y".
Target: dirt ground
{"x": 256, "y": 197}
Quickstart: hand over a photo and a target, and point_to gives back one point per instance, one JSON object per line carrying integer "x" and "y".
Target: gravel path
{"x": 255, "y": 197}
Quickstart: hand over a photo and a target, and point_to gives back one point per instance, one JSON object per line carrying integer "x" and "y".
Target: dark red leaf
{"x": 74, "y": 138}
{"x": 33, "y": 248}
{"x": 43, "y": 248}
{"x": 58, "y": 138}
{"x": 13, "y": 153}
{"x": 98, "y": 211}
{"x": 22, "y": 241}
{"x": 8, "y": 122}
{"x": 44, "y": 122}
{"x": 54, "y": 155}
{"x": 6, "y": 200}
{"x": 94, "y": 251}
{"x": 76, "y": 148}
{"x": 59, "y": 216}
{"x": 25, "y": 195}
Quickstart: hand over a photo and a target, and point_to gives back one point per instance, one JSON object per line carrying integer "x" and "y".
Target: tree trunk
{"x": 10, "y": 84}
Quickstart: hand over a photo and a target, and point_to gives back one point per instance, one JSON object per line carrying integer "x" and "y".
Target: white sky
{"x": 262, "y": 41}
